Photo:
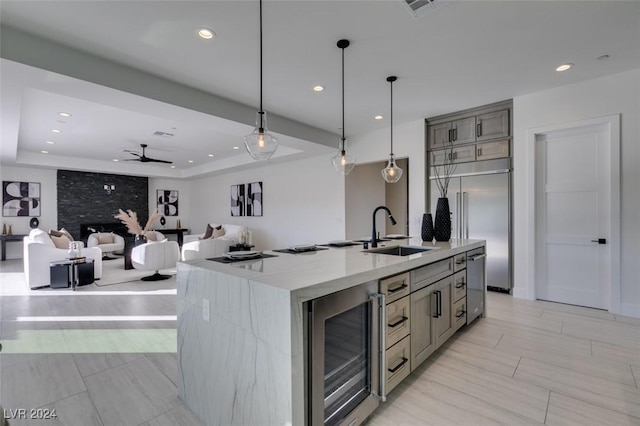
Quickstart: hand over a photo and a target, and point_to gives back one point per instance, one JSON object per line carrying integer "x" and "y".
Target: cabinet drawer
{"x": 398, "y": 321}
{"x": 429, "y": 274}
{"x": 396, "y": 286}
{"x": 459, "y": 313}
{"x": 490, "y": 150}
{"x": 397, "y": 367}
{"x": 459, "y": 262}
{"x": 459, "y": 285}
{"x": 460, "y": 154}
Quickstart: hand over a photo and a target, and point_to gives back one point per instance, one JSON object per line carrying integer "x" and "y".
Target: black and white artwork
{"x": 167, "y": 202}
{"x": 254, "y": 199}
{"x": 237, "y": 200}
{"x": 20, "y": 199}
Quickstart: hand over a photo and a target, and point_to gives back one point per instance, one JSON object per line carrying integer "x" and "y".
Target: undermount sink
{"x": 400, "y": 250}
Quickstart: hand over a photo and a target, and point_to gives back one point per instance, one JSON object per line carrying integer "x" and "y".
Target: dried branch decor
{"x": 130, "y": 219}
{"x": 443, "y": 173}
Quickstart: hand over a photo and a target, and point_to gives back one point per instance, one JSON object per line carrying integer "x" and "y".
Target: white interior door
{"x": 573, "y": 211}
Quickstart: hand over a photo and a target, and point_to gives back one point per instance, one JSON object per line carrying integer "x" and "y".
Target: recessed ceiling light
{"x": 44, "y": 152}
{"x": 64, "y": 114}
{"x": 189, "y": 161}
{"x": 173, "y": 167}
{"x": 378, "y": 117}
{"x": 115, "y": 160}
{"x": 50, "y": 142}
{"x": 206, "y": 33}
{"x": 236, "y": 147}
{"x": 564, "y": 67}
{"x": 56, "y": 131}
{"x": 210, "y": 155}
{"x": 318, "y": 88}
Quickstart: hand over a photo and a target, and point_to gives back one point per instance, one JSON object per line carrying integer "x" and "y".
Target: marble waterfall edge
{"x": 246, "y": 343}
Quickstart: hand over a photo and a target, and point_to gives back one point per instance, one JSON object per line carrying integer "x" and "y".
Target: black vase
{"x": 139, "y": 239}
{"x": 427, "y": 227}
{"x": 442, "y": 226}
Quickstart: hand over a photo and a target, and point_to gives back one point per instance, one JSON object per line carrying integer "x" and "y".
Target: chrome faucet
{"x": 374, "y": 240}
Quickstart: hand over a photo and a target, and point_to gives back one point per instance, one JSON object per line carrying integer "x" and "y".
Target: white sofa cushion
{"x": 196, "y": 248}
{"x": 41, "y": 237}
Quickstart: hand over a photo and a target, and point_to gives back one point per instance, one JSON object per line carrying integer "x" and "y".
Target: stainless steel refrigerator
{"x": 480, "y": 203}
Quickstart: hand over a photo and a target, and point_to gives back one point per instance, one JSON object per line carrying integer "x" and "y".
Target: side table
{"x": 4, "y": 239}
{"x": 67, "y": 272}
{"x": 240, "y": 247}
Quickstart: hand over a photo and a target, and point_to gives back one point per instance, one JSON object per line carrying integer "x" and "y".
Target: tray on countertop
{"x": 224, "y": 259}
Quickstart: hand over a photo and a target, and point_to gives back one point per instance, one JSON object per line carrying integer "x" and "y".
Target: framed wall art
{"x": 254, "y": 199}
{"x": 237, "y": 200}
{"x": 20, "y": 199}
{"x": 167, "y": 202}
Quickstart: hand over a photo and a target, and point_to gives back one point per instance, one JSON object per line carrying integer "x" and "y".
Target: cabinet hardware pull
{"x": 438, "y": 304}
{"x": 479, "y": 129}
{"x": 455, "y": 134}
{"x": 397, "y": 367}
{"x": 450, "y": 156}
{"x": 479, "y": 152}
{"x": 395, "y": 289}
{"x": 600, "y": 241}
{"x": 460, "y": 285}
{"x": 382, "y": 344}
{"x": 435, "y": 308}
{"x": 477, "y": 256}
{"x": 450, "y": 137}
{"x": 460, "y": 261}
{"x": 397, "y": 323}
{"x": 461, "y": 314}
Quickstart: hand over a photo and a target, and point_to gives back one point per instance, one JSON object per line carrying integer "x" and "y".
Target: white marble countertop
{"x": 314, "y": 274}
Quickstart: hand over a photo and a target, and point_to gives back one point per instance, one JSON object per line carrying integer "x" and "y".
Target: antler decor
{"x": 130, "y": 219}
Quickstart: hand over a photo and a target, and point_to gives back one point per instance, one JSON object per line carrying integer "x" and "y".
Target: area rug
{"x": 113, "y": 272}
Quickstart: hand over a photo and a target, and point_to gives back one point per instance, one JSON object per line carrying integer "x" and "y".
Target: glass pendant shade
{"x": 343, "y": 162}
{"x": 261, "y": 144}
{"x": 392, "y": 173}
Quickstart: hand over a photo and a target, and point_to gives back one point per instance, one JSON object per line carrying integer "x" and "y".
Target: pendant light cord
{"x": 343, "y": 138}
{"x": 391, "y": 118}
{"x": 261, "y": 110}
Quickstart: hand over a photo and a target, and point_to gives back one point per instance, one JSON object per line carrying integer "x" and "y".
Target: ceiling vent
{"x": 422, "y": 7}
{"x": 163, "y": 134}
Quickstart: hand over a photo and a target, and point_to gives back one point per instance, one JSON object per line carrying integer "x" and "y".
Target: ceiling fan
{"x": 143, "y": 158}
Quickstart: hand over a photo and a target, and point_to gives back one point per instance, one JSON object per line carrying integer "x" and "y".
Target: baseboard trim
{"x": 520, "y": 293}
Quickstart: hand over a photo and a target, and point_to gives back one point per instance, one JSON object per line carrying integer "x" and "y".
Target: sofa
{"x": 195, "y": 247}
{"x": 39, "y": 249}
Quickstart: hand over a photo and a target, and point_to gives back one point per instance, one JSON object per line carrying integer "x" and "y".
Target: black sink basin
{"x": 400, "y": 250}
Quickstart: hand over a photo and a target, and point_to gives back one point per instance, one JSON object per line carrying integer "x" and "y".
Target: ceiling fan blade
{"x": 159, "y": 161}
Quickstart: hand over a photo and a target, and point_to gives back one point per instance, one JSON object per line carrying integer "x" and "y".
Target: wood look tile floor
{"x": 107, "y": 356}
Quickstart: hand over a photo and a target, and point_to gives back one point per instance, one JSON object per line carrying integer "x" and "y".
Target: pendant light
{"x": 392, "y": 173}
{"x": 260, "y": 143}
{"x": 342, "y": 162}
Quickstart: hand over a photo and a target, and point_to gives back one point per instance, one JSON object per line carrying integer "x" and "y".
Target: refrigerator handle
{"x": 458, "y": 233}
{"x": 465, "y": 217}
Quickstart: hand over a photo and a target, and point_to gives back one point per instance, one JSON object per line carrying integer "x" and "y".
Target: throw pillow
{"x": 208, "y": 233}
{"x": 218, "y": 232}
{"x": 67, "y": 234}
{"x": 105, "y": 238}
{"x": 61, "y": 242}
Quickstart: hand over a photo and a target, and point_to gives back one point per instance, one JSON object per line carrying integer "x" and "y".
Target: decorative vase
{"x": 139, "y": 239}
{"x": 4, "y": 229}
{"x": 178, "y": 224}
{"x": 10, "y": 230}
{"x": 442, "y": 225}
{"x": 427, "y": 227}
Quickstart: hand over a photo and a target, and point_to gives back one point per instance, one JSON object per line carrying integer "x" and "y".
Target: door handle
{"x": 477, "y": 256}
{"x": 382, "y": 343}
{"x": 600, "y": 241}
{"x": 479, "y": 129}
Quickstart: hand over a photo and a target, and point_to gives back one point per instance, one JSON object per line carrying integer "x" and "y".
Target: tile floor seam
{"x": 93, "y": 404}
{"x": 107, "y": 369}
{"x": 498, "y": 342}
{"x": 516, "y": 369}
{"x": 595, "y": 404}
{"x": 635, "y": 379}
{"x": 546, "y": 413}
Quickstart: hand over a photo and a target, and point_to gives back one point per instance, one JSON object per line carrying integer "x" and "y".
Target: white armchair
{"x": 195, "y": 247}
{"x": 154, "y": 256}
{"x": 107, "y": 242}
{"x": 39, "y": 250}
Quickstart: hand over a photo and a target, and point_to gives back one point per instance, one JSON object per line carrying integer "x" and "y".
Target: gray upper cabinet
{"x": 492, "y": 125}
{"x": 463, "y": 130}
{"x": 439, "y": 135}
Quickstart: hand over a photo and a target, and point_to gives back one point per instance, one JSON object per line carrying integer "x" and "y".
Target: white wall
{"x": 48, "y": 197}
{"x": 616, "y": 94}
{"x": 408, "y": 142}
{"x": 303, "y": 203}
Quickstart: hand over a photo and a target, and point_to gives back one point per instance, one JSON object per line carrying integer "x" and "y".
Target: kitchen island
{"x": 242, "y": 340}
